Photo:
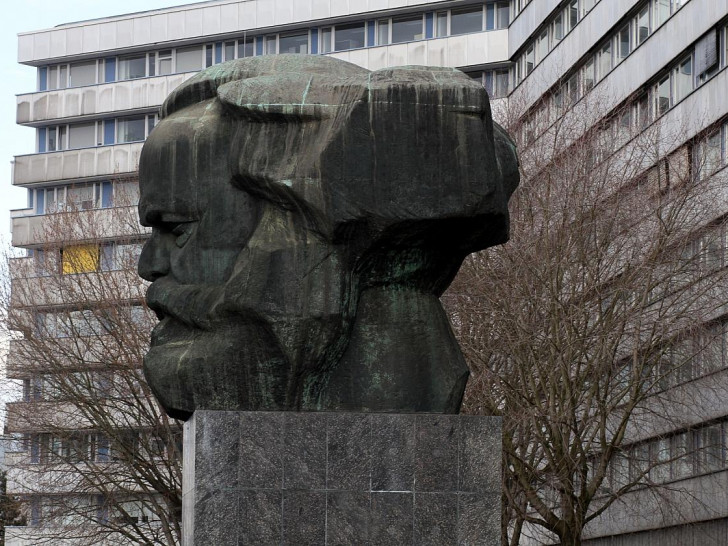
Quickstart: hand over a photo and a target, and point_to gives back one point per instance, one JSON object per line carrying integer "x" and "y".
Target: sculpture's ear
{"x": 292, "y": 97}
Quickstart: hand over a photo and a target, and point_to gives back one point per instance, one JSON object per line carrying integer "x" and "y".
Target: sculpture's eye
{"x": 182, "y": 232}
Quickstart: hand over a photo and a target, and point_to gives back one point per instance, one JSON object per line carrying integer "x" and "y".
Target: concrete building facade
{"x": 100, "y": 84}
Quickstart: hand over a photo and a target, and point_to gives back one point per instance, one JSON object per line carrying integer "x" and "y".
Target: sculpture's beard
{"x": 206, "y": 353}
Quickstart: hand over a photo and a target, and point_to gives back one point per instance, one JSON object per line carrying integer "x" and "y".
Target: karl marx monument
{"x": 306, "y": 216}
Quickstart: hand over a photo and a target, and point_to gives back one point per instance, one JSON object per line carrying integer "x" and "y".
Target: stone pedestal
{"x": 283, "y": 478}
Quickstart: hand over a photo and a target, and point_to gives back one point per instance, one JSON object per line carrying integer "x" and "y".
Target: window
{"x": 542, "y": 45}
{"x": 529, "y": 60}
{"x": 132, "y": 67}
{"x": 349, "y": 36}
{"x": 80, "y": 259}
{"x": 293, "y": 43}
{"x": 681, "y": 453}
{"x": 229, "y": 51}
{"x": 642, "y": 22}
{"x": 246, "y": 48}
{"x": 82, "y": 197}
{"x": 131, "y": 129}
{"x": 189, "y": 59}
{"x": 643, "y": 111}
{"x": 465, "y": 20}
{"x": 662, "y": 96}
{"x": 503, "y": 12}
{"x": 407, "y": 29}
{"x": 82, "y": 135}
{"x": 573, "y": 13}
{"x": 624, "y": 43}
{"x": 164, "y": 62}
{"x": 604, "y": 63}
{"x": 683, "y": 76}
{"x": 709, "y": 156}
{"x": 557, "y": 28}
{"x": 496, "y": 83}
{"x": 709, "y": 449}
{"x": 661, "y": 12}
{"x": 83, "y": 74}
{"x": 589, "y": 75}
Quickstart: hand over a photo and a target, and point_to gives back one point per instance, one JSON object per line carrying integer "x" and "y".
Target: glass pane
{"x": 325, "y": 40}
{"x": 529, "y": 60}
{"x": 53, "y": 77}
{"x": 605, "y": 60}
{"x": 229, "y": 51}
{"x": 189, "y": 58}
{"x": 441, "y": 26}
{"x": 662, "y": 11}
{"x": 132, "y": 67}
{"x": 61, "y": 137}
{"x": 503, "y": 15}
{"x": 383, "y": 32}
{"x": 466, "y": 20}
{"x": 246, "y": 48}
{"x": 82, "y": 135}
{"x": 349, "y": 36}
{"x": 164, "y": 58}
{"x": 407, "y": 30}
{"x": 589, "y": 74}
{"x": 293, "y": 43}
{"x": 643, "y": 25}
{"x": 559, "y": 27}
{"x": 83, "y": 74}
{"x": 683, "y": 79}
{"x": 624, "y": 42}
{"x": 52, "y": 133}
{"x": 270, "y": 45}
{"x": 63, "y": 76}
{"x": 501, "y": 83}
{"x": 81, "y": 197}
{"x": 542, "y": 46}
{"x": 662, "y": 97}
{"x": 573, "y": 13}
{"x": 130, "y": 129}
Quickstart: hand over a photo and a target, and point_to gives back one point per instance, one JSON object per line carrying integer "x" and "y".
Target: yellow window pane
{"x": 80, "y": 259}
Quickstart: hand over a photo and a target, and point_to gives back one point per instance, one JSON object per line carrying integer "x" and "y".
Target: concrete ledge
{"x": 341, "y": 479}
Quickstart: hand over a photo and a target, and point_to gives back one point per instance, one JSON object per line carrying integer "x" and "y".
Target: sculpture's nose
{"x": 154, "y": 259}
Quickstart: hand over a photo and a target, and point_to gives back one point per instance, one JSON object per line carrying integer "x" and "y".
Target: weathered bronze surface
{"x": 307, "y": 214}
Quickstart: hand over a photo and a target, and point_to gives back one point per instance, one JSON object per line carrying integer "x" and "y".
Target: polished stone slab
{"x": 288, "y": 478}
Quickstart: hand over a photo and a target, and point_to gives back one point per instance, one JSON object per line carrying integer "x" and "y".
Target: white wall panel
{"x": 142, "y": 33}
{"x": 210, "y": 20}
{"x": 229, "y": 18}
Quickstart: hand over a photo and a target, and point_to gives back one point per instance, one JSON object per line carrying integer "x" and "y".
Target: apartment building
{"x": 100, "y": 84}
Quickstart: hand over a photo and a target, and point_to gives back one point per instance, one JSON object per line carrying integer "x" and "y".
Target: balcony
{"x": 77, "y": 226}
{"x": 96, "y": 100}
{"x": 23, "y": 359}
{"x": 77, "y": 165}
{"x": 84, "y": 289}
{"x": 473, "y": 49}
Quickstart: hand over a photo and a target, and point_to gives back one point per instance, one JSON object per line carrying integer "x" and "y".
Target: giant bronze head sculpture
{"x": 306, "y": 214}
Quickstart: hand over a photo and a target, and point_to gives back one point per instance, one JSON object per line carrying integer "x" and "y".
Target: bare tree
{"x": 605, "y": 299}
{"x": 99, "y": 461}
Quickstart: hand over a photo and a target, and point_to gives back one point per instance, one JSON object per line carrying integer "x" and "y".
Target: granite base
{"x": 284, "y": 478}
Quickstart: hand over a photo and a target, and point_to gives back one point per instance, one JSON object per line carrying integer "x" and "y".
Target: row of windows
{"x": 651, "y": 15}
{"x": 474, "y": 18}
{"x": 87, "y": 322}
{"x": 661, "y": 460}
{"x": 494, "y": 81}
{"x": 92, "y": 384}
{"x": 679, "y": 80}
{"x": 95, "y": 133}
{"x": 710, "y": 152}
{"x": 85, "y": 258}
{"x": 75, "y": 510}
{"x": 76, "y": 447}
{"x": 76, "y": 197}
